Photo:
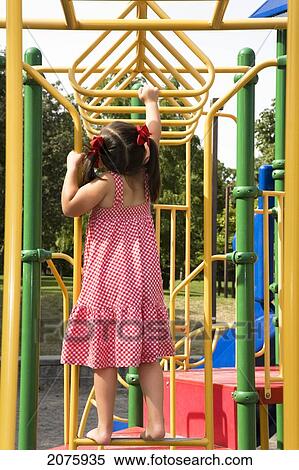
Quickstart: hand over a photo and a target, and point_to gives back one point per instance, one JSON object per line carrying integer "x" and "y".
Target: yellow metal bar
{"x": 216, "y": 338}
{"x": 61, "y": 99}
{"x": 69, "y": 13}
{"x": 266, "y": 297}
{"x": 99, "y": 110}
{"x": 85, "y": 413}
{"x": 154, "y": 68}
{"x": 158, "y": 226}
{"x": 84, "y": 54}
{"x": 277, "y": 378}
{"x": 154, "y": 25}
{"x": 172, "y": 392}
{"x": 64, "y": 256}
{"x": 174, "y": 52}
{"x": 172, "y": 324}
{"x": 66, "y": 367}
{"x": 220, "y": 114}
{"x": 109, "y": 69}
{"x": 187, "y": 349}
{"x": 219, "y": 13}
{"x": 190, "y": 92}
{"x": 125, "y": 441}
{"x": 291, "y": 253}
{"x": 74, "y": 395}
{"x": 102, "y": 107}
{"x": 13, "y": 227}
{"x": 141, "y": 35}
{"x": 165, "y": 122}
{"x": 193, "y": 274}
{"x": 172, "y": 249}
{"x": 92, "y": 68}
{"x": 122, "y": 381}
{"x": 218, "y": 327}
{"x": 280, "y": 224}
{"x": 274, "y": 193}
{"x": 172, "y": 70}
{"x": 121, "y": 86}
{"x": 218, "y": 69}
{"x": 264, "y": 426}
{"x": 261, "y": 352}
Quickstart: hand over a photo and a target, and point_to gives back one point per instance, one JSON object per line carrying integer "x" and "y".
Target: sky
{"x": 61, "y": 48}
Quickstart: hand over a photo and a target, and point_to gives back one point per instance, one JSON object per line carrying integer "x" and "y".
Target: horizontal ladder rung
{"x": 180, "y": 328}
{"x": 126, "y": 441}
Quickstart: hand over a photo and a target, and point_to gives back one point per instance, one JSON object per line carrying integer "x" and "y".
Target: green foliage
{"x": 265, "y": 135}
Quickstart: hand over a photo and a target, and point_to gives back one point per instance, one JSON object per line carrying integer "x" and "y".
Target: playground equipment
{"x": 187, "y": 104}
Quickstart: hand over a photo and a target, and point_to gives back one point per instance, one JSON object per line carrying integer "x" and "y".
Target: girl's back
{"x": 134, "y": 191}
{"x": 122, "y": 289}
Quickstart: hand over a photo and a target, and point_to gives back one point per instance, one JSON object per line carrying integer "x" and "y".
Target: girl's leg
{"x": 105, "y": 382}
{"x": 151, "y": 381}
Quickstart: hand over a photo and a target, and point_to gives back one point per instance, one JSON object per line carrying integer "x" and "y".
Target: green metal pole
{"x": 135, "y": 397}
{"x": 31, "y": 266}
{"x": 278, "y": 176}
{"x": 244, "y": 193}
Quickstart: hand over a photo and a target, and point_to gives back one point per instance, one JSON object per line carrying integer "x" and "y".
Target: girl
{"x": 120, "y": 318}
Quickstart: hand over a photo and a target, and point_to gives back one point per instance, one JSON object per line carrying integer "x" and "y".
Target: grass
{"x": 52, "y": 324}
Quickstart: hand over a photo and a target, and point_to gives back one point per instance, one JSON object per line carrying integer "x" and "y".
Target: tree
{"x": 265, "y": 135}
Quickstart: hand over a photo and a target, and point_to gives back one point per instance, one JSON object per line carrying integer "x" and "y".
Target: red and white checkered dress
{"x": 120, "y": 318}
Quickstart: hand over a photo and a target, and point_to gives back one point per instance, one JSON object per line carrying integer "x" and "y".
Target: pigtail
{"x": 153, "y": 170}
{"x": 88, "y": 169}
{"x": 92, "y": 159}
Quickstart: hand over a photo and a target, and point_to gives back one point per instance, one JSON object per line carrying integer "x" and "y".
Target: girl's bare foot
{"x": 100, "y": 436}
{"x": 156, "y": 433}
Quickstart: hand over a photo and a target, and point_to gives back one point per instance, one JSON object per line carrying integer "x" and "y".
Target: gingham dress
{"x": 120, "y": 318}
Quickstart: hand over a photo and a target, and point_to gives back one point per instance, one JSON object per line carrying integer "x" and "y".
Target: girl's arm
{"x": 76, "y": 201}
{"x": 149, "y": 95}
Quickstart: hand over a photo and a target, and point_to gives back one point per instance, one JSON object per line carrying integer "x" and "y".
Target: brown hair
{"x": 121, "y": 153}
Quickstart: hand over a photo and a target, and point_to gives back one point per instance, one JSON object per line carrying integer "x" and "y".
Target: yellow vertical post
{"x": 209, "y": 431}
{"x": 75, "y": 370}
{"x": 187, "y": 253}
{"x": 13, "y": 226}
{"x": 291, "y": 255}
{"x": 141, "y": 36}
{"x": 264, "y": 426}
{"x": 172, "y": 325}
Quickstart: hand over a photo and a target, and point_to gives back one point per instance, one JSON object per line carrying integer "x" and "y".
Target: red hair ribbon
{"x": 96, "y": 145}
{"x": 143, "y": 135}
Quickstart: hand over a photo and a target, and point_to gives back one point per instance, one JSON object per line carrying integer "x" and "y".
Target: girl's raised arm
{"x": 149, "y": 95}
{"x": 77, "y": 201}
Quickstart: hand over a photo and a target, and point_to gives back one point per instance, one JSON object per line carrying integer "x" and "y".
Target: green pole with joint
{"x": 31, "y": 265}
{"x": 278, "y": 176}
{"x": 135, "y": 396}
{"x": 244, "y": 193}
